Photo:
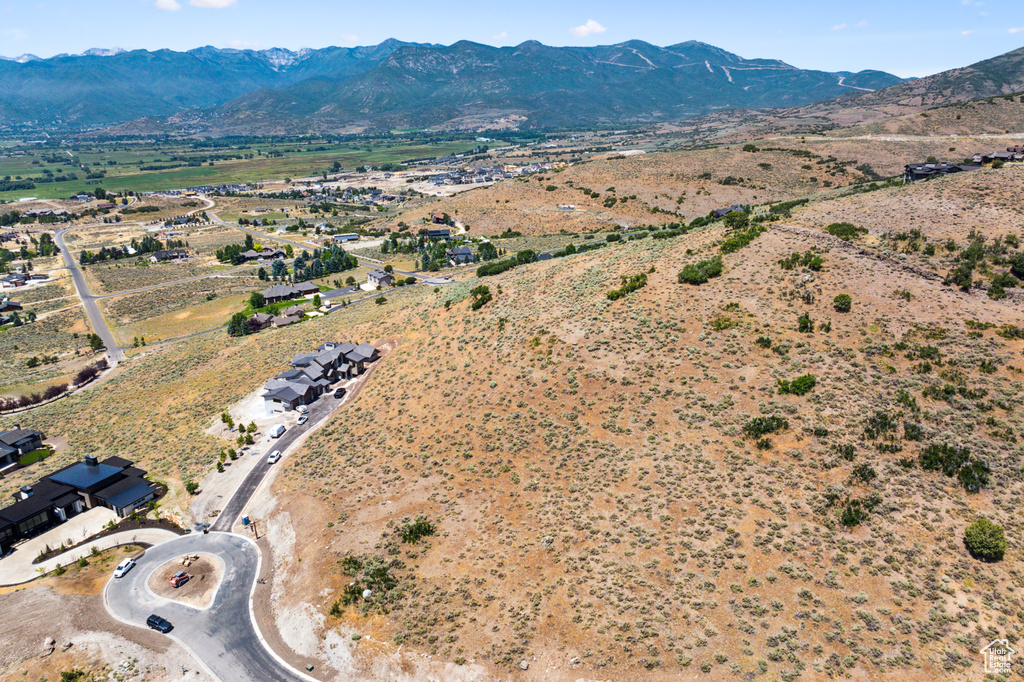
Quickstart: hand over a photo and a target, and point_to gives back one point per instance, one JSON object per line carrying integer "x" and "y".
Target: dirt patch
{"x": 206, "y": 571}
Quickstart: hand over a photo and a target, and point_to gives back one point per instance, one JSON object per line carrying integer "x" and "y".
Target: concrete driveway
{"x": 230, "y": 644}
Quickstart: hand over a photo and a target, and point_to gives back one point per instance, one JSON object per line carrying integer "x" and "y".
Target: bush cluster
{"x": 629, "y": 285}
{"x": 700, "y": 272}
{"x": 973, "y": 474}
{"x": 799, "y": 386}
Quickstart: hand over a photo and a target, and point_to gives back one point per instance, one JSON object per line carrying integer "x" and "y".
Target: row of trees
{"x": 83, "y": 377}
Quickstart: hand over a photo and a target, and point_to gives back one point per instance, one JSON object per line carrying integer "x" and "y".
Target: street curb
{"x": 252, "y": 611}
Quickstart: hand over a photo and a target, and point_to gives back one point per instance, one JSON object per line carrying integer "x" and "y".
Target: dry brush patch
{"x": 599, "y": 507}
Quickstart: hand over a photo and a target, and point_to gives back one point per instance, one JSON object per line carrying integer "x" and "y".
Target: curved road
{"x": 231, "y": 645}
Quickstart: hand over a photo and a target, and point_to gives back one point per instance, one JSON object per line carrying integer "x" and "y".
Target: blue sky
{"x": 908, "y": 37}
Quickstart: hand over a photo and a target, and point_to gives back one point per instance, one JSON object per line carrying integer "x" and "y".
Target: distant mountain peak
{"x": 103, "y": 52}
{"x": 23, "y": 59}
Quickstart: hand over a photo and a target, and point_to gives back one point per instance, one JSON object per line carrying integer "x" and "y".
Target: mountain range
{"x": 398, "y": 84}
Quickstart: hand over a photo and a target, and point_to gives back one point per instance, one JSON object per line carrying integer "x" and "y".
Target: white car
{"x": 303, "y": 419}
{"x": 124, "y": 567}
{"x": 302, "y": 409}
{"x": 274, "y": 457}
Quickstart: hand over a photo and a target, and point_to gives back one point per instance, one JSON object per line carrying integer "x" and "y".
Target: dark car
{"x": 340, "y": 393}
{"x": 158, "y": 623}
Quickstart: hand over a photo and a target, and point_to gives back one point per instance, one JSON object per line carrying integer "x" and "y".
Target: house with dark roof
{"x": 460, "y": 255}
{"x": 923, "y": 171}
{"x": 722, "y": 212}
{"x": 168, "y": 255}
{"x": 380, "y": 278}
{"x": 311, "y": 374}
{"x": 286, "y": 292}
{"x": 17, "y": 442}
{"x": 9, "y": 306}
{"x": 260, "y": 321}
{"x": 283, "y": 321}
{"x": 439, "y": 233}
{"x": 113, "y": 483}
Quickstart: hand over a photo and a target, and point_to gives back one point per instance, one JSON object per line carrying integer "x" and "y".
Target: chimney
{"x": 25, "y": 492}
{"x": 90, "y": 461}
{"x": 17, "y": 427}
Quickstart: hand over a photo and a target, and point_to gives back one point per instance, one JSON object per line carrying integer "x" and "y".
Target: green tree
{"x": 238, "y": 325}
{"x": 191, "y": 487}
{"x": 842, "y": 303}
{"x": 316, "y": 300}
{"x": 985, "y": 540}
{"x": 262, "y": 274}
{"x": 256, "y": 300}
{"x": 804, "y": 324}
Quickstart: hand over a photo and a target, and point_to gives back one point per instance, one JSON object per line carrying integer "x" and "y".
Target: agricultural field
{"x": 145, "y": 167}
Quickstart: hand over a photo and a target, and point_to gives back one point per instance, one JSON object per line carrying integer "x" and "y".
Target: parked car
{"x": 124, "y": 567}
{"x": 277, "y": 431}
{"x": 275, "y": 457}
{"x": 303, "y": 419}
{"x": 179, "y": 579}
{"x": 158, "y": 623}
{"x": 339, "y": 393}
{"x": 302, "y": 409}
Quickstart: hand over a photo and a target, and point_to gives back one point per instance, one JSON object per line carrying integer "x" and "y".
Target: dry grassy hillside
{"x": 601, "y": 509}
{"x": 993, "y": 116}
{"x": 682, "y": 185}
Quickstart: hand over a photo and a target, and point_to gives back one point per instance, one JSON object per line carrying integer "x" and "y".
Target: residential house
{"x": 265, "y": 254}
{"x": 286, "y": 292}
{"x": 294, "y": 311}
{"x": 113, "y": 483}
{"x": 260, "y": 321}
{"x": 439, "y": 233}
{"x": 168, "y": 255}
{"x": 18, "y": 442}
{"x": 460, "y": 255}
{"x": 722, "y": 212}
{"x": 283, "y": 321}
{"x": 380, "y": 278}
{"x": 923, "y": 171}
{"x": 9, "y": 306}
{"x": 311, "y": 374}
{"x": 439, "y": 218}
{"x": 348, "y": 237}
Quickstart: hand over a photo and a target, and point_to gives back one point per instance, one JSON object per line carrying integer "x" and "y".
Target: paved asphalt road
{"x": 318, "y": 412}
{"x": 99, "y": 325}
{"x": 223, "y": 636}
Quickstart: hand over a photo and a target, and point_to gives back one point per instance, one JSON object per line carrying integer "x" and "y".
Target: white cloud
{"x": 862, "y": 24}
{"x": 589, "y": 28}
{"x": 167, "y": 5}
{"x": 966, "y": 33}
{"x": 350, "y": 38}
{"x": 839, "y": 27}
{"x": 1017, "y": 30}
{"x": 215, "y": 4}
{"x": 500, "y": 36}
